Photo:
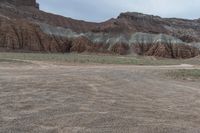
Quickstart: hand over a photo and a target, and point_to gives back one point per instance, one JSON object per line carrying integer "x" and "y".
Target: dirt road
{"x": 49, "y": 98}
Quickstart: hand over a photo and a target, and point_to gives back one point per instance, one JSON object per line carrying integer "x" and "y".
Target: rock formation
{"x": 31, "y": 3}
{"x": 23, "y": 27}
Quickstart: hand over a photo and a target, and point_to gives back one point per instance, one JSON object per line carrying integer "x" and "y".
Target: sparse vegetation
{"x": 89, "y": 58}
{"x": 11, "y": 60}
{"x": 185, "y": 74}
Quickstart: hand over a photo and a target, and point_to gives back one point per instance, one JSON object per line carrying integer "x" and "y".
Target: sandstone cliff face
{"x": 29, "y": 29}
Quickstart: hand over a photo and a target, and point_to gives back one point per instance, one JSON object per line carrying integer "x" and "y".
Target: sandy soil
{"x": 48, "y": 98}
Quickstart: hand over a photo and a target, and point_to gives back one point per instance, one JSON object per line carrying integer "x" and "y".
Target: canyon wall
{"x": 29, "y": 29}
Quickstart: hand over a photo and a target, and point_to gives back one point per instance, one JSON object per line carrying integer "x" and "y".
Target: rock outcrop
{"x": 31, "y": 3}
{"x": 23, "y": 27}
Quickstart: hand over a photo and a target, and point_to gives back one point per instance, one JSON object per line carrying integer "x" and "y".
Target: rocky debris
{"x": 29, "y": 29}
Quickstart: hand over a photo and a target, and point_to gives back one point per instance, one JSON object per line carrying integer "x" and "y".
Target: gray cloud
{"x": 101, "y": 10}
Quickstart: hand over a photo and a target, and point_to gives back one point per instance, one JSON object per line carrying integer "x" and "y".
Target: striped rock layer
{"x": 25, "y": 28}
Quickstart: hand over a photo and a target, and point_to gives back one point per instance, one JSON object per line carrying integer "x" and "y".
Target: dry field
{"x": 51, "y": 97}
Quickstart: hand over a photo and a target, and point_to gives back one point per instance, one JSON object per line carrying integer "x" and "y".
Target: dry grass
{"x": 90, "y": 58}
{"x": 185, "y": 74}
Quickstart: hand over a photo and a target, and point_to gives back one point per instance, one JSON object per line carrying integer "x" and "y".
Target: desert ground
{"x": 49, "y": 97}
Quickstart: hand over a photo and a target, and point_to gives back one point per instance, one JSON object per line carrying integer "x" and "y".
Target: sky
{"x": 101, "y": 10}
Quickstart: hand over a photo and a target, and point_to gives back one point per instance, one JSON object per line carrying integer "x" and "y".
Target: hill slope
{"x": 26, "y": 28}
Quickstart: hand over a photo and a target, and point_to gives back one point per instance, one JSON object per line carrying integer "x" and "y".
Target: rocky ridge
{"x": 26, "y": 28}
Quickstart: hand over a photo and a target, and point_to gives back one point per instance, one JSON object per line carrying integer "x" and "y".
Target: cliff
{"x": 30, "y": 3}
{"x": 29, "y": 29}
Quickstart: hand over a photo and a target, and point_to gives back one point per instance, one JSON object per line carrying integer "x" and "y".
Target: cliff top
{"x": 31, "y": 3}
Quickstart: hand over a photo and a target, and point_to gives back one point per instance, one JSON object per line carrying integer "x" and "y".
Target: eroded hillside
{"x": 26, "y": 28}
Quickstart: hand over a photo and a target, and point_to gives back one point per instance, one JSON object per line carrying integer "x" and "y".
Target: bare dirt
{"x": 41, "y": 97}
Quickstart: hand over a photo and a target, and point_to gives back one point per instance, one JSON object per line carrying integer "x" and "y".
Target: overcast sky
{"x": 101, "y": 10}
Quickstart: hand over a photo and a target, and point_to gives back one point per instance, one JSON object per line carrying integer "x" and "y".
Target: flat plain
{"x": 40, "y": 95}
